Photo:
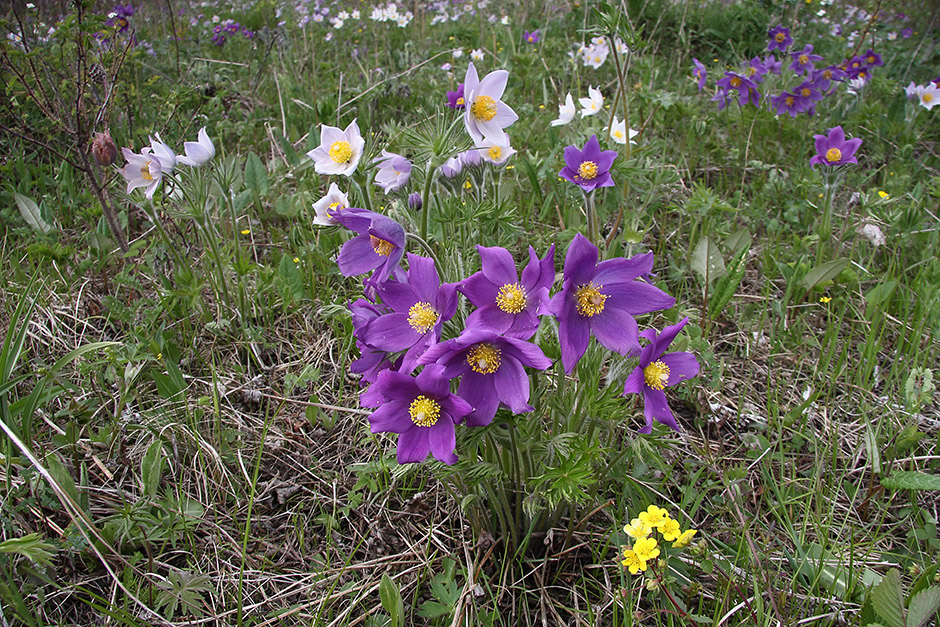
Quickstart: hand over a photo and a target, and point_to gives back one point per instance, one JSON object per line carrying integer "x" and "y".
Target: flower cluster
{"x": 594, "y": 54}
{"x": 156, "y": 161}
{"x": 590, "y": 106}
{"x": 927, "y": 95}
{"x": 645, "y": 548}
{"x": 228, "y": 28}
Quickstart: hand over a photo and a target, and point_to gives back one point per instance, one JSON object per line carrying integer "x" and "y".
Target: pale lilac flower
{"x": 327, "y": 207}
{"x": 565, "y": 112}
{"x": 928, "y": 96}
{"x": 142, "y": 170}
{"x": 496, "y": 152}
{"x": 198, "y": 152}
{"x": 486, "y": 114}
{"x": 394, "y": 171}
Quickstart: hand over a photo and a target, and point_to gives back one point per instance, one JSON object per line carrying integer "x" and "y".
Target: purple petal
{"x": 480, "y": 392}
{"x": 527, "y": 353}
{"x": 498, "y": 265}
{"x": 836, "y": 136}
{"x": 573, "y": 336}
{"x": 664, "y": 339}
{"x": 573, "y": 158}
{"x": 493, "y": 318}
{"x": 478, "y": 289}
{"x": 637, "y": 298}
{"x": 592, "y": 150}
{"x": 635, "y": 382}
{"x": 413, "y": 445}
{"x": 432, "y": 381}
{"x": 656, "y": 407}
{"x": 512, "y": 385}
{"x": 622, "y": 270}
{"x": 851, "y": 146}
{"x": 617, "y": 330}
{"x": 423, "y": 277}
{"x": 392, "y": 416}
{"x": 580, "y": 260}
{"x": 443, "y": 440}
{"x": 358, "y": 257}
{"x": 391, "y": 333}
{"x": 682, "y": 366}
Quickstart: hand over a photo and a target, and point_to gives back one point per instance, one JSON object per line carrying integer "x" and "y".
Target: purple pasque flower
{"x": 120, "y": 17}
{"x": 602, "y": 298}
{"x": 394, "y": 171}
{"x": 371, "y": 360}
{"x": 779, "y": 39}
{"x": 804, "y": 59}
{"x": 379, "y": 245}
{"x": 823, "y": 78}
{"x": 455, "y": 99}
{"x": 772, "y": 64}
{"x": 721, "y": 97}
{"x": 414, "y": 201}
{"x": 787, "y": 102}
{"x": 590, "y": 167}
{"x": 872, "y": 58}
{"x": 700, "y": 72}
{"x": 532, "y": 37}
{"x": 906, "y": 33}
{"x": 504, "y": 303}
{"x": 418, "y": 306}
{"x": 452, "y": 167}
{"x": 746, "y": 88}
{"x": 835, "y": 149}
{"x": 808, "y": 93}
{"x": 657, "y": 370}
{"x": 486, "y": 115}
{"x": 491, "y": 368}
{"x": 755, "y": 69}
{"x": 421, "y": 410}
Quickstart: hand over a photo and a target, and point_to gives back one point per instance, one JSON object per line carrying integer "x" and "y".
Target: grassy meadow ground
{"x": 183, "y": 439}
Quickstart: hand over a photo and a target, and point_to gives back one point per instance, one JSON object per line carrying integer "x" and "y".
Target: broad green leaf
{"x": 151, "y": 468}
{"x": 911, "y": 480}
{"x": 31, "y": 546}
{"x": 61, "y": 476}
{"x": 876, "y": 296}
{"x": 291, "y": 276}
{"x": 888, "y": 600}
{"x": 923, "y": 606}
{"x": 31, "y": 213}
{"x": 391, "y": 599}
{"x": 825, "y": 272}
{"x": 738, "y": 241}
{"x": 707, "y": 261}
{"x": 256, "y": 175}
{"x": 871, "y": 447}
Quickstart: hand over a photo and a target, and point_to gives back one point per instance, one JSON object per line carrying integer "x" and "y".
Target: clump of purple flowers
{"x": 227, "y": 28}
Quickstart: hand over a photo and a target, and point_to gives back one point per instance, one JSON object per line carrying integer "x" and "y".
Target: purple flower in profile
{"x": 452, "y": 167}
{"x": 394, "y": 171}
{"x": 421, "y": 410}
{"x": 772, "y": 64}
{"x": 491, "y": 368}
{"x": 721, "y": 97}
{"x": 657, "y": 370}
{"x": 804, "y": 59}
{"x": 835, "y": 149}
{"x": 371, "y": 360}
{"x": 418, "y": 306}
{"x": 414, "y": 201}
{"x": 379, "y": 245}
{"x": 700, "y": 72}
{"x": 602, "y": 298}
{"x": 505, "y": 304}
{"x": 779, "y": 39}
{"x": 533, "y": 37}
{"x": 455, "y": 98}
{"x": 589, "y": 168}
{"x": 746, "y": 88}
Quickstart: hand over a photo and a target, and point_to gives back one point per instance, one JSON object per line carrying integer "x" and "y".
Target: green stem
{"x": 592, "y": 226}
{"x": 426, "y": 200}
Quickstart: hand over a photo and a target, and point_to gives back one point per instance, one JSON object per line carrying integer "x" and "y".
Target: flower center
{"x": 341, "y": 152}
{"x": 145, "y": 172}
{"x": 587, "y": 170}
{"x": 495, "y": 153}
{"x": 380, "y": 246}
{"x": 483, "y": 108}
{"x": 871, "y": 60}
{"x": 656, "y": 374}
{"x": 806, "y": 92}
{"x": 422, "y": 317}
{"x": 833, "y": 155}
{"x": 827, "y": 74}
{"x": 780, "y": 37}
{"x": 789, "y": 101}
{"x": 511, "y": 298}
{"x": 338, "y": 206}
{"x": 484, "y": 358}
{"x": 590, "y": 300}
{"x": 751, "y": 71}
{"x": 424, "y": 411}
{"x": 735, "y": 82}
{"x": 804, "y": 59}
{"x": 927, "y": 97}
{"x": 461, "y": 102}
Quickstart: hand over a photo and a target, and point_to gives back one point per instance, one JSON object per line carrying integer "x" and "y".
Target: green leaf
{"x": 878, "y": 295}
{"x": 291, "y": 277}
{"x": 738, "y": 241}
{"x": 31, "y": 546}
{"x": 707, "y": 260}
{"x": 61, "y": 476}
{"x": 31, "y": 213}
{"x": 151, "y": 468}
{"x": 888, "y": 601}
{"x": 391, "y": 599}
{"x": 911, "y": 480}
{"x": 256, "y": 175}
{"x": 922, "y": 606}
{"x": 824, "y": 272}
{"x": 183, "y": 590}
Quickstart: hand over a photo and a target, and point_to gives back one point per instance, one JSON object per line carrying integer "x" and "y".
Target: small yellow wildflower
{"x": 467, "y": 185}
{"x": 637, "y": 529}
{"x": 632, "y": 561}
{"x": 246, "y": 232}
{"x": 670, "y": 530}
{"x": 541, "y": 106}
{"x": 296, "y": 259}
{"x": 510, "y": 167}
{"x": 654, "y": 516}
{"x": 646, "y": 549}
{"x": 824, "y": 299}
{"x": 685, "y": 539}
{"x": 883, "y": 194}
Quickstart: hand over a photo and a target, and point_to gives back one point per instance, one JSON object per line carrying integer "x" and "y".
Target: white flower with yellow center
{"x": 496, "y": 152}
{"x": 565, "y": 112}
{"x": 486, "y": 115}
{"x": 339, "y": 151}
{"x": 618, "y": 132}
{"x": 327, "y": 207}
{"x": 593, "y": 104}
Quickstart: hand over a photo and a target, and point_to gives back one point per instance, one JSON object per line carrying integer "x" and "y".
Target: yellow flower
{"x": 246, "y": 232}
{"x": 670, "y": 530}
{"x": 824, "y": 299}
{"x": 637, "y": 529}
{"x": 646, "y": 549}
{"x": 883, "y": 194}
{"x": 466, "y": 185}
{"x": 632, "y": 561}
{"x": 296, "y": 259}
{"x": 684, "y": 539}
{"x": 654, "y": 516}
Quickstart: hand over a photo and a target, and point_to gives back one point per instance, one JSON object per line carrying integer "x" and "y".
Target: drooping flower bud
{"x": 414, "y": 201}
{"x": 103, "y": 149}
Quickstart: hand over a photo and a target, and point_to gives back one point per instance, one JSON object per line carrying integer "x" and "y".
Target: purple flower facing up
{"x": 824, "y": 77}
{"x": 419, "y": 307}
{"x": 804, "y": 59}
{"x": 657, "y": 370}
{"x": 746, "y": 88}
{"x": 700, "y": 72}
{"x": 455, "y": 99}
{"x": 809, "y": 94}
{"x": 602, "y": 298}
{"x": 906, "y": 33}
{"x": 589, "y": 168}
{"x": 755, "y": 69}
{"x": 379, "y": 245}
{"x": 533, "y": 37}
{"x": 835, "y": 149}
{"x": 505, "y": 304}
{"x": 421, "y": 410}
{"x": 787, "y": 102}
{"x": 394, "y": 171}
{"x": 120, "y": 17}
{"x": 872, "y": 58}
{"x": 491, "y": 371}
{"x": 779, "y": 39}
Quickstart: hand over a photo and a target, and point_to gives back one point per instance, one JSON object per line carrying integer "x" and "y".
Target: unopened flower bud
{"x": 103, "y": 149}
{"x": 414, "y": 201}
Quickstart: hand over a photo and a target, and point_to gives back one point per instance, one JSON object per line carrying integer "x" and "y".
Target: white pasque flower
{"x": 618, "y": 132}
{"x": 928, "y": 95}
{"x": 198, "y": 152}
{"x": 911, "y": 90}
{"x": 163, "y": 153}
{"x": 394, "y": 171}
{"x": 142, "y": 170}
{"x": 593, "y": 104}
{"x": 339, "y": 151}
{"x": 565, "y": 112}
{"x": 477, "y": 54}
{"x": 327, "y": 206}
{"x": 486, "y": 115}
{"x": 496, "y": 152}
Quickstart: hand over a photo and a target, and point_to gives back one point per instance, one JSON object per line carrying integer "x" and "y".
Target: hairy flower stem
{"x": 426, "y": 197}
{"x": 825, "y": 227}
{"x": 593, "y": 230}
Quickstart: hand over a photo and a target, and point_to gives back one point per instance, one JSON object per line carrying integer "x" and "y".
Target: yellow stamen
{"x": 461, "y": 102}
{"x": 590, "y": 301}
{"x": 341, "y": 151}
{"x": 483, "y": 108}
{"x": 789, "y": 101}
{"x": 495, "y": 153}
{"x": 380, "y": 246}
{"x": 511, "y": 298}
{"x": 806, "y": 92}
{"x": 145, "y": 172}
{"x": 656, "y": 375}
{"x": 780, "y": 37}
{"x": 833, "y": 155}
{"x": 587, "y": 170}
{"x": 735, "y": 82}
{"x": 804, "y": 59}
{"x": 422, "y": 317}
{"x": 927, "y": 97}
{"x": 484, "y": 358}
{"x": 424, "y": 411}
